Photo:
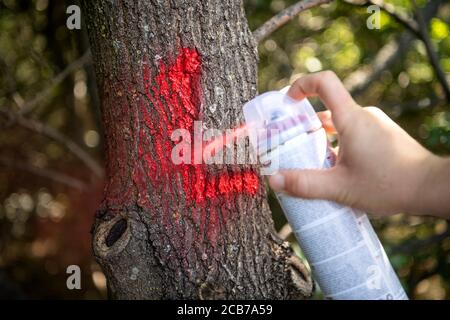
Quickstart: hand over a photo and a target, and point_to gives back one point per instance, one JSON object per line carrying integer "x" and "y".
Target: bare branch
{"x": 285, "y": 16}
{"x": 416, "y": 245}
{"x": 434, "y": 60}
{"x": 46, "y": 173}
{"x": 41, "y": 128}
{"x": 77, "y": 64}
{"x": 359, "y": 80}
{"x": 48, "y": 131}
{"x": 399, "y": 109}
{"x": 388, "y": 55}
{"x": 285, "y": 231}
{"x": 398, "y": 16}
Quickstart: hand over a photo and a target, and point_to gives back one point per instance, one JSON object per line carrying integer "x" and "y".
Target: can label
{"x": 346, "y": 257}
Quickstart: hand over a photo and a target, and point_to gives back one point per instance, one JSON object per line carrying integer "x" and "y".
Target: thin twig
{"x": 285, "y": 16}
{"x": 41, "y": 128}
{"x": 10, "y": 82}
{"x": 46, "y": 173}
{"x": 392, "y": 52}
{"x": 419, "y": 29}
{"x": 358, "y": 81}
{"x": 434, "y": 60}
{"x": 77, "y": 64}
{"x": 398, "y": 16}
{"x": 416, "y": 245}
{"x": 285, "y": 231}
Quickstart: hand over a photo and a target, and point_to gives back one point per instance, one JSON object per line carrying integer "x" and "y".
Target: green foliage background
{"x": 44, "y": 224}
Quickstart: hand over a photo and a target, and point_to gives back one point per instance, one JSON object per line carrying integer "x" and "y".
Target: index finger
{"x": 328, "y": 87}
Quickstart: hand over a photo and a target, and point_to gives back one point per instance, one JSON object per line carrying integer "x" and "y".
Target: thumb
{"x": 311, "y": 183}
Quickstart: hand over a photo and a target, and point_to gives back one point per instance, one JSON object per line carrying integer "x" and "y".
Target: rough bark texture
{"x": 181, "y": 231}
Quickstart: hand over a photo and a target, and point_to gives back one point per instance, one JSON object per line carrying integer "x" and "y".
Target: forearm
{"x": 433, "y": 194}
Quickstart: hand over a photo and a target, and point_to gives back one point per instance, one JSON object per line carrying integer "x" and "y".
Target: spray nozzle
{"x": 273, "y": 118}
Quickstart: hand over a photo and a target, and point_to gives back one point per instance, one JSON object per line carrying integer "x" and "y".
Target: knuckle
{"x": 299, "y": 185}
{"x": 297, "y": 84}
{"x": 298, "y": 81}
{"x": 373, "y": 109}
{"x": 329, "y": 75}
{"x": 377, "y": 113}
{"x": 344, "y": 193}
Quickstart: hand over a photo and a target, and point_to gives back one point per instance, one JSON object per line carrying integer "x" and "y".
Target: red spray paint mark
{"x": 250, "y": 182}
{"x": 173, "y": 102}
{"x": 219, "y": 143}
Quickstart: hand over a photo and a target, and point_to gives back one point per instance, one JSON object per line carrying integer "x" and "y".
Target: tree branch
{"x": 285, "y": 16}
{"x": 46, "y": 173}
{"x": 41, "y": 128}
{"x": 398, "y": 16}
{"x": 419, "y": 28}
{"x": 358, "y": 81}
{"x": 416, "y": 245}
{"x": 434, "y": 60}
{"x": 285, "y": 231}
{"x": 77, "y": 64}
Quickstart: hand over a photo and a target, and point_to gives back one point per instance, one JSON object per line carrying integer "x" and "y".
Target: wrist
{"x": 432, "y": 187}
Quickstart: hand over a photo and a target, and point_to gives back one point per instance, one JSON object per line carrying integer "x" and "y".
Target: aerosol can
{"x": 345, "y": 255}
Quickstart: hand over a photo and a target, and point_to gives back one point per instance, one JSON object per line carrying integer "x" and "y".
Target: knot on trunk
{"x": 301, "y": 277}
{"x": 208, "y": 291}
{"x": 111, "y": 236}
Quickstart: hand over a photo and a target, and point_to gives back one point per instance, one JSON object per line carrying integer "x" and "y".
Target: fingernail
{"x": 277, "y": 182}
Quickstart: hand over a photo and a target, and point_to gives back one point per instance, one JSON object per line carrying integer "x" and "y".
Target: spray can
{"x": 346, "y": 257}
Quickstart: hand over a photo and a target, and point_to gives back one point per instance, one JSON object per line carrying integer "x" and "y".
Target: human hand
{"x": 379, "y": 167}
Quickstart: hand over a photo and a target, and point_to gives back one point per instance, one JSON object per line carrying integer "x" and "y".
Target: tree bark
{"x": 167, "y": 231}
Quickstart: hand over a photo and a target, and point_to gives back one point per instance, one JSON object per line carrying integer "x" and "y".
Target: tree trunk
{"x": 190, "y": 230}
